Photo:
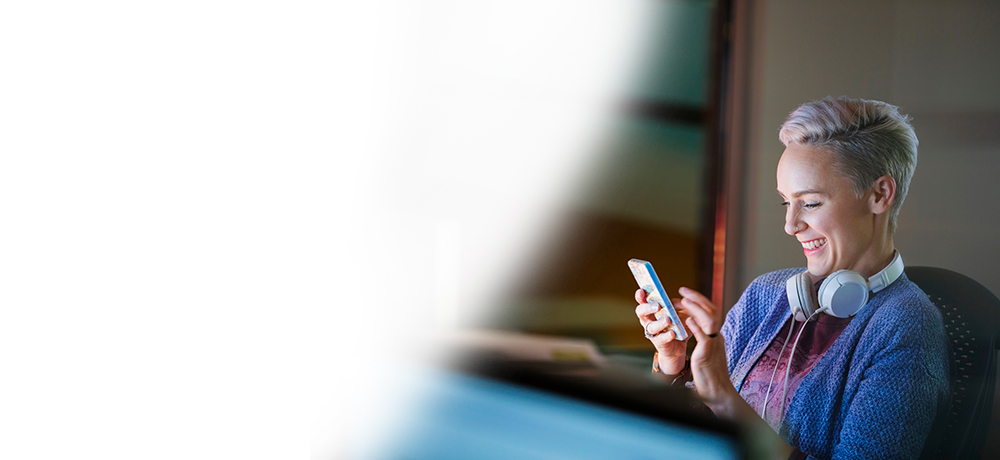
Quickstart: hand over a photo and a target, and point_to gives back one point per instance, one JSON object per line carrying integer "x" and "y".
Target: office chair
{"x": 972, "y": 318}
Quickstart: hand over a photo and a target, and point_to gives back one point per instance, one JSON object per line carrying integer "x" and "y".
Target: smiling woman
{"x": 867, "y": 377}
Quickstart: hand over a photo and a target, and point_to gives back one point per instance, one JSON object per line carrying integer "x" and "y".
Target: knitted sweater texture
{"x": 875, "y": 393}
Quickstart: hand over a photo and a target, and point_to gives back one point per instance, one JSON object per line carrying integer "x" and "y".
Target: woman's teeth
{"x": 814, "y": 243}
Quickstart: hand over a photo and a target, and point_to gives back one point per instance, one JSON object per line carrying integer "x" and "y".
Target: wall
{"x": 934, "y": 59}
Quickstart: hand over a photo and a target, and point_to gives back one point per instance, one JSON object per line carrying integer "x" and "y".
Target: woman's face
{"x": 835, "y": 226}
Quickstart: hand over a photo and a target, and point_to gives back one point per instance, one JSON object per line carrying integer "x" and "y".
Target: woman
{"x": 867, "y": 385}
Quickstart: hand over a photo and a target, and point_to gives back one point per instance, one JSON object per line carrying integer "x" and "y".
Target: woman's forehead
{"x": 807, "y": 170}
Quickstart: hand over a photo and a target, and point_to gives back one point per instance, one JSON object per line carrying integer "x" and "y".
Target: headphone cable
{"x": 791, "y": 327}
{"x": 788, "y": 368}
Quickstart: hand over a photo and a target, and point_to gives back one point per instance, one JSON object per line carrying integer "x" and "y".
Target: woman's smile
{"x": 813, "y": 246}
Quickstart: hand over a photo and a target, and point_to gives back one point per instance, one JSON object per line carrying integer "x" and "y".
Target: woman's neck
{"x": 881, "y": 256}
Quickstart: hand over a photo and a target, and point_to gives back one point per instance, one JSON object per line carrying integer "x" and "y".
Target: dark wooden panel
{"x": 589, "y": 256}
{"x": 585, "y": 262}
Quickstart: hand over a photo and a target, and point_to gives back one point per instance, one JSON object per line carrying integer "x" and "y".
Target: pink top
{"x": 818, "y": 336}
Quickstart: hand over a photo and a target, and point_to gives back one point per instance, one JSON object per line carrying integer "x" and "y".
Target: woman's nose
{"x": 793, "y": 224}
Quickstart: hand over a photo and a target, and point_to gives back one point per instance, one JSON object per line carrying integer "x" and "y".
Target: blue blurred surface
{"x": 470, "y": 417}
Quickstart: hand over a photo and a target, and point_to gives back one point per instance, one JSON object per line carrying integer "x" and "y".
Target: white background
{"x": 221, "y": 222}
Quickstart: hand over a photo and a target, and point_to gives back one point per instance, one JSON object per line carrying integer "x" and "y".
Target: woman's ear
{"x": 883, "y": 194}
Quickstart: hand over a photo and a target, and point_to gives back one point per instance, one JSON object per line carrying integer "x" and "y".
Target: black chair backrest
{"x": 972, "y": 318}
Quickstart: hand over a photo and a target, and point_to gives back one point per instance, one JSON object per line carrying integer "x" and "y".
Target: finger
{"x": 662, "y": 340}
{"x": 640, "y": 296}
{"x": 646, "y": 311}
{"x": 697, "y": 312}
{"x": 701, "y": 308}
{"x": 676, "y": 302}
{"x": 696, "y": 331}
{"x": 655, "y": 327}
{"x": 700, "y": 298}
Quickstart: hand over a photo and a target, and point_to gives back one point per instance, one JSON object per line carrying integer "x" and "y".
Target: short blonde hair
{"x": 869, "y": 139}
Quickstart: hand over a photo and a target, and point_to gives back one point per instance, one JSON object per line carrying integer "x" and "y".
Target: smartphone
{"x": 655, "y": 294}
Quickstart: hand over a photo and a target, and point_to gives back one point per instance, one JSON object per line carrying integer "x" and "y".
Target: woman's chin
{"x": 819, "y": 271}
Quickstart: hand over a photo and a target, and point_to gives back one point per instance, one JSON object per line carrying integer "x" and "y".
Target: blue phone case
{"x": 646, "y": 277}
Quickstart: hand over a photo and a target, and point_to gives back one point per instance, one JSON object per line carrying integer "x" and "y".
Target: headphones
{"x": 841, "y": 294}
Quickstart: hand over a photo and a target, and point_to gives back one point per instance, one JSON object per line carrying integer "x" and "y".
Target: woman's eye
{"x": 811, "y": 205}
{"x": 784, "y": 203}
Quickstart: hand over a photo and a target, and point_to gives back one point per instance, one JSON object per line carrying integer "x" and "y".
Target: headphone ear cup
{"x": 801, "y": 297}
{"x": 843, "y": 293}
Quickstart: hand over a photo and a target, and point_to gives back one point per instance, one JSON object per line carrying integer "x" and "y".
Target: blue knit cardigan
{"x": 875, "y": 393}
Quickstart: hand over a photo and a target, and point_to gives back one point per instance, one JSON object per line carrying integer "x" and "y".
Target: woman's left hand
{"x": 708, "y": 360}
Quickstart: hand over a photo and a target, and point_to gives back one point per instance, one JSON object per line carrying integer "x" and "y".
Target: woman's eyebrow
{"x": 804, "y": 192}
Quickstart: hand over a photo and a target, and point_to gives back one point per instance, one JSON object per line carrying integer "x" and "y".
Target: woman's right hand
{"x": 671, "y": 353}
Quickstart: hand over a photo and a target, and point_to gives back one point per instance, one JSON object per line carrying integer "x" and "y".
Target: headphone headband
{"x": 887, "y": 275}
{"x": 842, "y": 294}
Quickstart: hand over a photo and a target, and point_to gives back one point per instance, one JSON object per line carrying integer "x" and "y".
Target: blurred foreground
{"x": 518, "y": 396}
